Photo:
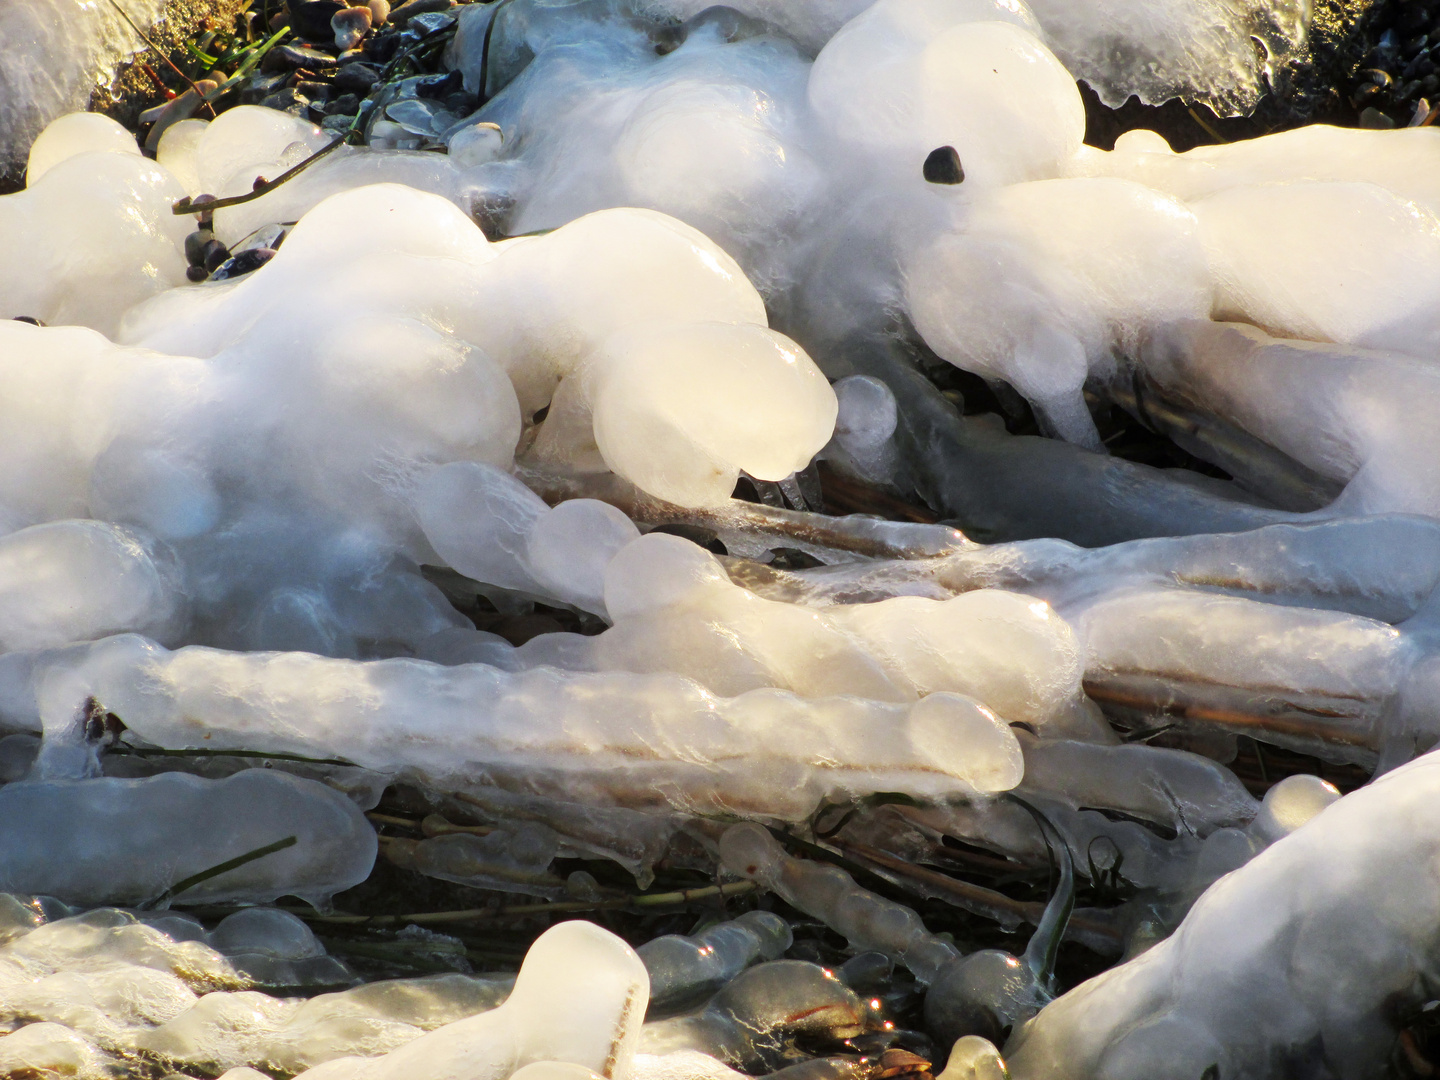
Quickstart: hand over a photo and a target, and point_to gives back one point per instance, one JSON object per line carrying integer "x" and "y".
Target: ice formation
{"x": 109, "y": 848}
{"x": 56, "y": 53}
{"x": 1292, "y": 962}
{"x": 610, "y": 736}
{"x": 685, "y": 968}
{"x": 299, "y": 536}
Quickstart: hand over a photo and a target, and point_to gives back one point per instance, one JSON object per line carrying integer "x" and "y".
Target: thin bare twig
{"x": 558, "y": 907}
{"x": 170, "y": 63}
{"x": 187, "y": 206}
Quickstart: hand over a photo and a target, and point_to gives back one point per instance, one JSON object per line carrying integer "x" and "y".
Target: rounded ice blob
{"x": 77, "y": 133}
{"x": 681, "y": 409}
{"x": 125, "y": 841}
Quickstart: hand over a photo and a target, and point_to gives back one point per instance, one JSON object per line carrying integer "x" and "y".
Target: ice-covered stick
{"x": 1382, "y": 566}
{"x": 750, "y": 529}
{"x": 607, "y": 737}
{"x": 1002, "y": 487}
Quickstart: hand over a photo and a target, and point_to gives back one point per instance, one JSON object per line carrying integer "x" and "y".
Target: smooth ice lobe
{"x": 1297, "y": 948}
{"x": 85, "y": 263}
{"x": 681, "y": 410}
{"x": 1269, "y": 271}
{"x": 892, "y": 87}
{"x": 126, "y": 841}
{"x": 575, "y": 971}
{"x": 683, "y": 969}
{"x": 1045, "y": 283}
{"x": 76, "y": 133}
{"x": 491, "y": 527}
{"x": 72, "y": 581}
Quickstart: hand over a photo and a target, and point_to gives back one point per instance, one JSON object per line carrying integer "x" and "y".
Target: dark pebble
{"x": 317, "y": 92}
{"x": 1367, "y": 93}
{"x": 262, "y": 86}
{"x": 344, "y": 105}
{"x": 1430, "y": 84}
{"x": 195, "y": 246}
{"x": 383, "y": 47}
{"x": 461, "y": 104}
{"x": 213, "y": 255}
{"x": 1413, "y": 45}
{"x": 288, "y": 100}
{"x": 1412, "y": 17}
{"x": 290, "y": 57}
{"x": 942, "y": 166}
{"x": 27, "y": 319}
{"x": 196, "y": 274}
{"x": 311, "y": 18}
{"x": 356, "y": 78}
{"x": 441, "y": 87}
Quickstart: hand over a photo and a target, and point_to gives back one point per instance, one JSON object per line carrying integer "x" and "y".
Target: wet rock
{"x": 318, "y": 92}
{"x": 288, "y": 100}
{"x": 344, "y": 105}
{"x": 293, "y": 57}
{"x": 350, "y": 26}
{"x": 262, "y": 86}
{"x": 942, "y": 166}
{"x": 213, "y": 254}
{"x": 310, "y": 19}
{"x": 243, "y": 263}
{"x": 356, "y": 78}
{"x": 195, "y": 245}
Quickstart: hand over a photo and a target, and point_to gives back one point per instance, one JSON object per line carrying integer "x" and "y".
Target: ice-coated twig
{"x": 828, "y": 893}
{"x": 685, "y": 969}
{"x": 238, "y": 861}
{"x": 750, "y": 529}
{"x": 543, "y": 730}
{"x": 559, "y": 907}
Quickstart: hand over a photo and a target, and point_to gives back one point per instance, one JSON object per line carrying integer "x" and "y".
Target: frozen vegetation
{"x": 403, "y": 496}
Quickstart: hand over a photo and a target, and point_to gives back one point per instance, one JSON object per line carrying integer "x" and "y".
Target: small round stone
{"x": 942, "y": 166}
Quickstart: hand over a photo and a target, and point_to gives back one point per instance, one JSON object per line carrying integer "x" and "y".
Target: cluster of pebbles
{"x": 336, "y": 57}
{"x": 1398, "y": 84}
{"x": 325, "y": 63}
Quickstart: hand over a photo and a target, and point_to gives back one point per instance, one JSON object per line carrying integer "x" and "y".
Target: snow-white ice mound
{"x": 108, "y": 985}
{"x": 1294, "y": 957}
